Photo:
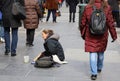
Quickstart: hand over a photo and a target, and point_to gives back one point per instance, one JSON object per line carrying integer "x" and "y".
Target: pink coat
{"x": 96, "y": 43}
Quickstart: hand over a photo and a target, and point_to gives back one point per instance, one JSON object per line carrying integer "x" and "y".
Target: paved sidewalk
{"x": 77, "y": 69}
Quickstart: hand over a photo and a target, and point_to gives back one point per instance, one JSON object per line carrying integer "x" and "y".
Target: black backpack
{"x": 97, "y": 23}
{"x": 44, "y": 62}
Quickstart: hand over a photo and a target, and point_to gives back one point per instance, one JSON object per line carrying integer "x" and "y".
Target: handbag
{"x": 18, "y": 11}
{"x": 44, "y": 62}
{"x": 58, "y": 13}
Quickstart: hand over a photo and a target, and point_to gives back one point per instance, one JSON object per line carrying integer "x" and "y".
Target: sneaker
{"x": 13, "y": 54}
{"x": 30, "y": 45}
{"x": 33, "y": 62}
{"x": 7, "y": 52}
{"x": 99, "y": 70}
{"x": 93, "y": 77}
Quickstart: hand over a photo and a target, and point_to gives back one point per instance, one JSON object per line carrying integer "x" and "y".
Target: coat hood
{"x": 55, "y": 36}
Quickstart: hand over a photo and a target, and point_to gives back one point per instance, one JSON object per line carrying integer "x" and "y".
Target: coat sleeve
{"x": 110, "y": 24}
{"x": 82, "y": 24}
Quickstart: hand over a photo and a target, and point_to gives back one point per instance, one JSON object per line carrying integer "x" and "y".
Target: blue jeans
{"x": 1, "y": 31}
{"x": 96, "y": 62}
{"x": 14, "y": 39}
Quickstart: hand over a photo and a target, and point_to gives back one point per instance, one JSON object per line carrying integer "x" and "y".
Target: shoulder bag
{"x": 18, "y": 10}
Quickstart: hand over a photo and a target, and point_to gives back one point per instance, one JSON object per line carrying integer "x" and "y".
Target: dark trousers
{"x": 116, "y": 17}
{"x": 11, "y": 46}
{"x": 53, "y": 14}
{"x": 30, "y": 36}
{"x": 72, "y": 17}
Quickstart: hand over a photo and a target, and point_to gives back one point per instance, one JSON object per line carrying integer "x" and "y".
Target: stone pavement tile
{"x": 11, "y": 78}
{"x": 3, "y": 66}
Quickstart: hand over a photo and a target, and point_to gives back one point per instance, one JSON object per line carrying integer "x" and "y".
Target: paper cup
{"x": 26, "y": 59}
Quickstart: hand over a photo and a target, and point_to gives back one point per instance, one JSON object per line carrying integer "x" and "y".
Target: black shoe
{"x": 30, "y": 45}
{"x": 99, "y": 70}
{"x": 27, "y": 44}
{"x": 73, "y": 21}
{"x": 54, "y": 22}
{"x": 13, "y": 54}
{"x": 7, "y": 52}
{"x": 93, "y": 77}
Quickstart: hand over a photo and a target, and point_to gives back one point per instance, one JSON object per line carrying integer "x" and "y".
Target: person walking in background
{"x": 115, "y": 11}
{"x": 10, "y": 23}
{"x": 52, "y": 6}
{"x": 42, "y": 9}
{"x": 1, "y": 29}
{"x": 32, "y": 20}
{"x": 96, "y": 44}
{"x": 72, "y": 9}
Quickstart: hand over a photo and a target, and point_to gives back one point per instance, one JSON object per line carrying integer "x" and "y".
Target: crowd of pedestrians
{"x": 35, "y": 9}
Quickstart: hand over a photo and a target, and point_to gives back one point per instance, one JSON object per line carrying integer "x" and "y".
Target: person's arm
{"x": 83, "y": 24}
{"x": 110, "y": 24}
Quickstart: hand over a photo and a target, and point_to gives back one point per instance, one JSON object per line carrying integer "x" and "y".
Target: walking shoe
{"x": 73, "y": 21}
{"x": 99, "y": 70}
{"x": 93, "y": 77}
{"x": 30, "y": 45}
{"x": 7, "y": 52}
{"x": 27, "y": 44}
{"x": 13, "y": 54}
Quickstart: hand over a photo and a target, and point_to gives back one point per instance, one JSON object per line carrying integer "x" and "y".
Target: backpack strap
{"x": 94, "y": 7}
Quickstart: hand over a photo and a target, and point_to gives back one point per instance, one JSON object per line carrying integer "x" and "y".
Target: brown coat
{"x": 32, "y": 13}
{"x": 97, "y": 43}
{"x": 51, "y": 4}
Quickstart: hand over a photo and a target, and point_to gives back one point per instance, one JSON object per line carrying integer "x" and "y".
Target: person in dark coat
{"x": 115, "y": 11}
{"x": 52, "y": 6}
{"x": 42, "y": 8}
{"x": 32, "y": 20}
{"x": 10, "y": 22}
{"x": 52, "y": 46}
{"x": 72, "y": 9}
{"x": 96, "y": 45}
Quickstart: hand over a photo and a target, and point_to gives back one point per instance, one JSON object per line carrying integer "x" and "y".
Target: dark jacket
{"x": 8, "y": 19}
{"x": 53, "y": 47}
{"x": 97, "y": 43}
{"x": 72, "y": 5}
{"x": 32, "y": 14}
{"x": 114, "y": 4}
